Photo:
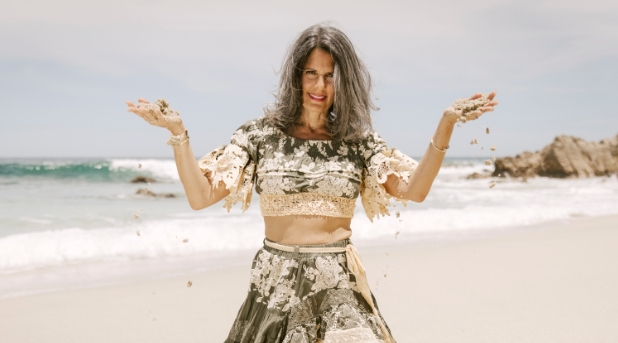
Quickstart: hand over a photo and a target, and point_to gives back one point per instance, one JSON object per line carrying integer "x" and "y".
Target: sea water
{"x": 70, "y": 223}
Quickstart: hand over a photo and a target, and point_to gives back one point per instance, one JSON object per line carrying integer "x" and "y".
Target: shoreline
{"x": 551, "y": 282}
{"x": 117, "y": 273}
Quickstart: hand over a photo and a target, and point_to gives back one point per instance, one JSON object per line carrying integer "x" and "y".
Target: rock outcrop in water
{"x": 565, "y": 157}
{"x": 143, "y": 179}
{"x": 148, "y": 192}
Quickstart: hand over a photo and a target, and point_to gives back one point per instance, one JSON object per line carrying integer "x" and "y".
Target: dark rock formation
{"x": 565, "y": 157}
{"x": 148, "y": 192}
{"x": 142, "y": 179}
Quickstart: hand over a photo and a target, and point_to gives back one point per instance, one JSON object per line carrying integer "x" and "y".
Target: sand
{"x": 556, "y": 284}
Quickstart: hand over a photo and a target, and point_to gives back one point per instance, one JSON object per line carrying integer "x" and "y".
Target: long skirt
{"x": 303, "y": 296}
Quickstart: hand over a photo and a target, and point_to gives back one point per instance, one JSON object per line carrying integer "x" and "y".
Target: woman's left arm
{"x": 419, "y": 184}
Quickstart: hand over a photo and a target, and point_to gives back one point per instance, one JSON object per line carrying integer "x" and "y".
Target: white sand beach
{"x": 555, "y": 284}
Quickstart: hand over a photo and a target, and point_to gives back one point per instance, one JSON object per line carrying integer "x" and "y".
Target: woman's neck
{"x": 313, "y": 121}
{"x": 312, "y": 125}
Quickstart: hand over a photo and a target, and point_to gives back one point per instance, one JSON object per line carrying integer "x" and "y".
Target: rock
{"x": 144, "y": 191}
{"x": 142, "y": 179}
{"x": 475, "y": 176}
{"x": 565, "y": 157}
{"x": 148, "y": 192}
{"x": 524, "y": 164}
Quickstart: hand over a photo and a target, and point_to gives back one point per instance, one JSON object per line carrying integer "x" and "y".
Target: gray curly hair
{"x": 352, "y": 103}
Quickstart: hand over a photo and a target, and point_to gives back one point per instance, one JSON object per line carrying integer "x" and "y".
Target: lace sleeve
{"x": 380, "y": 161}
{"x": 234, "y": 165}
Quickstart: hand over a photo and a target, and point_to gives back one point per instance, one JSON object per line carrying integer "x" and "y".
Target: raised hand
{"x": 464, "y": 109}
{"x": 157, "y": 114}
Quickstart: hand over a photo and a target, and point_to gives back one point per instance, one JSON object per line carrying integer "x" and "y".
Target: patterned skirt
{"x": 303, "y": 296}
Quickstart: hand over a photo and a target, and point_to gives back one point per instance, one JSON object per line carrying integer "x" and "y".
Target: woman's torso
{"x": 312, "y": 172}
{"x": 304, "y": 230}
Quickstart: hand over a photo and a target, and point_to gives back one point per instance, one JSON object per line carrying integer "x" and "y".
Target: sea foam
{"x": 454, "y": 206}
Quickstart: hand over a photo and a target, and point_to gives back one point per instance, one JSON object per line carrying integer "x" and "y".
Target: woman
{"x": 310, "y": 157}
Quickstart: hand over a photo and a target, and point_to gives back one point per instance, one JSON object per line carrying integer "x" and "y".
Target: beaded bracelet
{"x": 178, "y": 140}
{"x": 440, "y": 150}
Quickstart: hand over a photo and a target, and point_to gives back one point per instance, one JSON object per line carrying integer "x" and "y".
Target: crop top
{"x": 296, "y": 176}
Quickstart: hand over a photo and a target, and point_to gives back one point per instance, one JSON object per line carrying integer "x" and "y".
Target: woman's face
{"x": 317, "y": 82}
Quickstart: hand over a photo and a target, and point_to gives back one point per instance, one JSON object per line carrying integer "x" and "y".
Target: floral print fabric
{"x": 304, "y": 297}
{"x": 334, "y": 171}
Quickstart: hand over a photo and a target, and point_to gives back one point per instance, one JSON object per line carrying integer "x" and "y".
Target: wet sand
{"x": 556, "y": 284}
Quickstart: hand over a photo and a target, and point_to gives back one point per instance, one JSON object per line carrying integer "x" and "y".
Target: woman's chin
{"x": 313, "y": 108}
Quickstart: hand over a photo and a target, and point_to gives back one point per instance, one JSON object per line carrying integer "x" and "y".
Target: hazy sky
{"x": 66, "y": 68}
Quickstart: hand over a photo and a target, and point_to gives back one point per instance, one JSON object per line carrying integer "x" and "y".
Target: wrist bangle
{"x": 435, "y": 147}
{"x": 178, "y": 140}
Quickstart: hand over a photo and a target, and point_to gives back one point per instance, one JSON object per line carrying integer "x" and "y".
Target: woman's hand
{"x": 470, "y": 109}
{"x": 153, "y": 115}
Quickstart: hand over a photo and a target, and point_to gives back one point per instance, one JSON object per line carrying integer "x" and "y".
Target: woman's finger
{"x": 149, "y": 117}
{"x": 145, "y": 113}
{"x": 135, "y": 110}
{"x": 491, "y": 95}
{"x": 487, "y": 109}
{"x": 476, "y": 96}
{"x": 150, "y": 113}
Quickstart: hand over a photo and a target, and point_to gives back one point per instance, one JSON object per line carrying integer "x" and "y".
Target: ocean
{"x": 72, "y": 223}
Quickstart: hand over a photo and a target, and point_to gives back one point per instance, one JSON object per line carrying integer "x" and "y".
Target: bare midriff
{"x": 306, "y": 230}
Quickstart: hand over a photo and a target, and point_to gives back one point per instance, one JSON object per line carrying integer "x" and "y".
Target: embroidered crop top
{"x": 305, "y": 177}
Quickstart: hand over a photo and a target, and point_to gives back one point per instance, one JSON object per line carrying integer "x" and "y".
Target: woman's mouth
{"x": 317, "y": 97}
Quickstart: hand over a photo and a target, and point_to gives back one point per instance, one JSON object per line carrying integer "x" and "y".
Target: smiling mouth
{"x": 317, "y": 97}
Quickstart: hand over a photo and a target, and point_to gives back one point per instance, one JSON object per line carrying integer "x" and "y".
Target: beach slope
{"x": 556, "y": 284}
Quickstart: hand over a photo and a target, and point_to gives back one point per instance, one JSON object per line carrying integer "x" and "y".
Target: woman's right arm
{"x": 200, "y": 192}
{"x": 198, "y": 188}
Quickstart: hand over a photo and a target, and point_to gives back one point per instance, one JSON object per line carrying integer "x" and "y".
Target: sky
{"x": 67, "y": 68}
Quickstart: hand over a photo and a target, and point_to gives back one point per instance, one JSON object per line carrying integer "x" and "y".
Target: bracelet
{"x": 434, "y": 145}
{"x": 178, "y": 140}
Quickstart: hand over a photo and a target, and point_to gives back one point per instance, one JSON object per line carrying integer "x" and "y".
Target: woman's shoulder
{"x": 370, "y": 139}
{"x": 252, "y": 124}
{"x": 254, "y": 131}
{"x": 260, "y": 125}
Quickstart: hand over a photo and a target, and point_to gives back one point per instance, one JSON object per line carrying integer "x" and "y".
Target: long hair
{"x": 352, "y": 103}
